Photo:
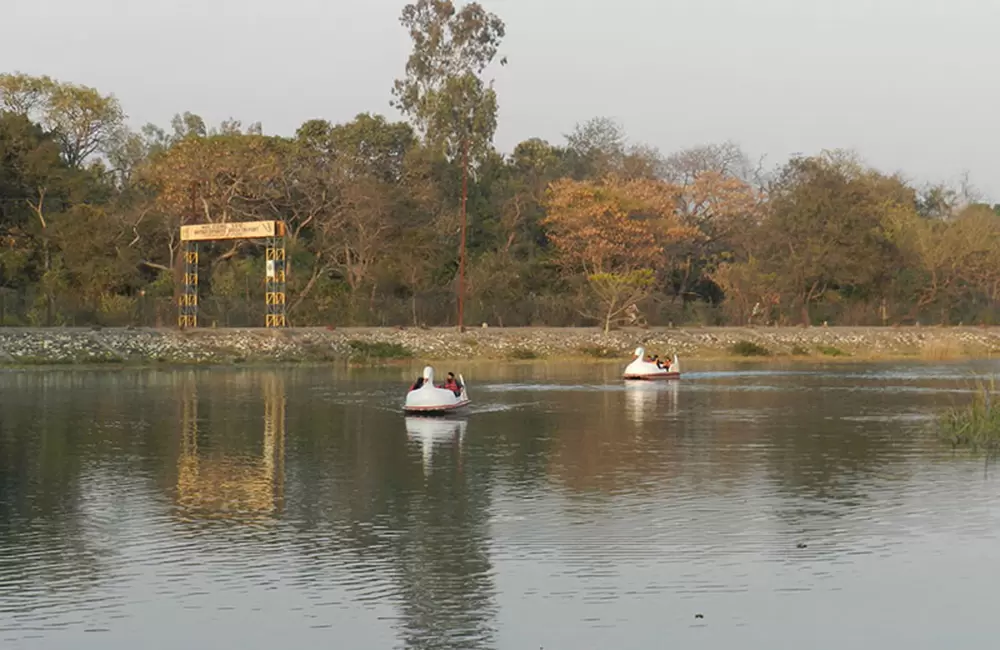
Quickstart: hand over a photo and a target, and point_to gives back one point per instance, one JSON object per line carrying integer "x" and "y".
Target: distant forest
{"x": 594, "y": 230}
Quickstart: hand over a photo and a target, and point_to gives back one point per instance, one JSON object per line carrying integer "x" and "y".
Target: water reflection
{"x": 572, "y": 511}
{"x": 220, "y": 484}
{"x": 645, "y": 400}
{"x": 435, "y": 431}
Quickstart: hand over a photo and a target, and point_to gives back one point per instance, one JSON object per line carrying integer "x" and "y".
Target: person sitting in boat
{"x": 452, "y": 384}
{"x": 418, "y": 383}
{"x": 660, "y": 363}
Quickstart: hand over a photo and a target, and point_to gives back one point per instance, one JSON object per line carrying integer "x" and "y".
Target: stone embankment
{"x": 222, "y": 346}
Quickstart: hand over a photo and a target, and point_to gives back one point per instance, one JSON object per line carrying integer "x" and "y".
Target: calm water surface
{"x": 794, "y": 507}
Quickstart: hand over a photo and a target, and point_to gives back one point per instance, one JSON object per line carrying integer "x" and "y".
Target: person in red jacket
{"x": 452, "y": 384}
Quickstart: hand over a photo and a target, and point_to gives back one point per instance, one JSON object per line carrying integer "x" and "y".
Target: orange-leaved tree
{"x": 215, "y": 179}
{"x": 612, "y": 232}
{"x": 721, "y": 212}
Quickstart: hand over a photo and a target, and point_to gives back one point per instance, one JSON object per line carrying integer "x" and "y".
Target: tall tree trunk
{"x": 685, "y": 280}
{"x": 178, "y": 276}
{"x": 461, "y": 252}
{"x": 302, "y": 294}
{"x": 47, "y": 254}
{"x": 806, "y": 300}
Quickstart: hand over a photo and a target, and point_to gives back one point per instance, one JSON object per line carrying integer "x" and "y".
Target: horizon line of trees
{"x": 592, "y": 230}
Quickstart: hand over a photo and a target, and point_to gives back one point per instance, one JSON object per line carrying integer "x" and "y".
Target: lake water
{"x": 742, "y": 507}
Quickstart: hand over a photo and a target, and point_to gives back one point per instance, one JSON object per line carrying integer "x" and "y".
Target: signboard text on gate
{"x": 232, "y": 230}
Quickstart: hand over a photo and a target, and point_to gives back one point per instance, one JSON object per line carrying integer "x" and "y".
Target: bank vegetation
{"x": 975, "y": 426}
{"x": 594, "y": 229}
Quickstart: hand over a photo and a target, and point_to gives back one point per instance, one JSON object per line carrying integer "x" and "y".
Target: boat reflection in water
{"x": 644, "y": 399}
{"x": 435, "y": 431}
{"x": 223, "y": 483}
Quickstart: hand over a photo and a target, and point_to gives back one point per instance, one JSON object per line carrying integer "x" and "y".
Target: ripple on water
{"x": 545, "y": 388}
{"x": 611, "y": 517}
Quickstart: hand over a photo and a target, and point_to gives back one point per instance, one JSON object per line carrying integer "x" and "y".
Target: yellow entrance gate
{"x": 272, "y": 231}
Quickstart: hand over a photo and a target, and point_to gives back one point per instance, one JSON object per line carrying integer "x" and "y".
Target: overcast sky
{"x": 910, "y": 84}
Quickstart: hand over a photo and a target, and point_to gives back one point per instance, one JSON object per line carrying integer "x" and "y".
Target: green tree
{"x": 443, "y": 91}
{"x": 350, "y": 189}
{"x": 826, "y": 228}
{"x": 34, "y": 189}
{"x": 82, "y": 120}
{"x": 60, "y": 244}
{"x": 617, "y": 292}
{"x": 598, "y": 147}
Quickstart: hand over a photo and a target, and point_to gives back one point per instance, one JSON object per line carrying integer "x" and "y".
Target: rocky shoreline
{"x": 26, "y": 347}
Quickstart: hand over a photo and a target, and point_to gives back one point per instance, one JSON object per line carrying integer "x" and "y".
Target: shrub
{"x": 749, "y": 349}
{"x": 365, "y": 350}
{"x": 599, "y": 352}
{"x": 831, "y": 351}
{"x": 976, "y": 426}
{"x": 522, "y": 353}
{"x": 941, "y": 350}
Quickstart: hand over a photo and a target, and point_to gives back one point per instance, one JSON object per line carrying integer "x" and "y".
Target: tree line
{"x": 595, "y": 229}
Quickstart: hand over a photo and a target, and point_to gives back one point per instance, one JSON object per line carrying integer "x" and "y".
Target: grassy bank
{"x": 366, "y": 346}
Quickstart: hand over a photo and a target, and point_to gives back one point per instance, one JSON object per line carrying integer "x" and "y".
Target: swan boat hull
{"x": 437, "y": 409}
{"x": 652, "y": 376}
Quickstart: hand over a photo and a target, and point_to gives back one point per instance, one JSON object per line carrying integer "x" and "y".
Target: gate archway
{"x": 274, "y": 271}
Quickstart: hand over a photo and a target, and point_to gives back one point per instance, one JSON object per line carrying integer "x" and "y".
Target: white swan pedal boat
{"x": 430, "y": 399}
{"x": 640, "y": 368}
